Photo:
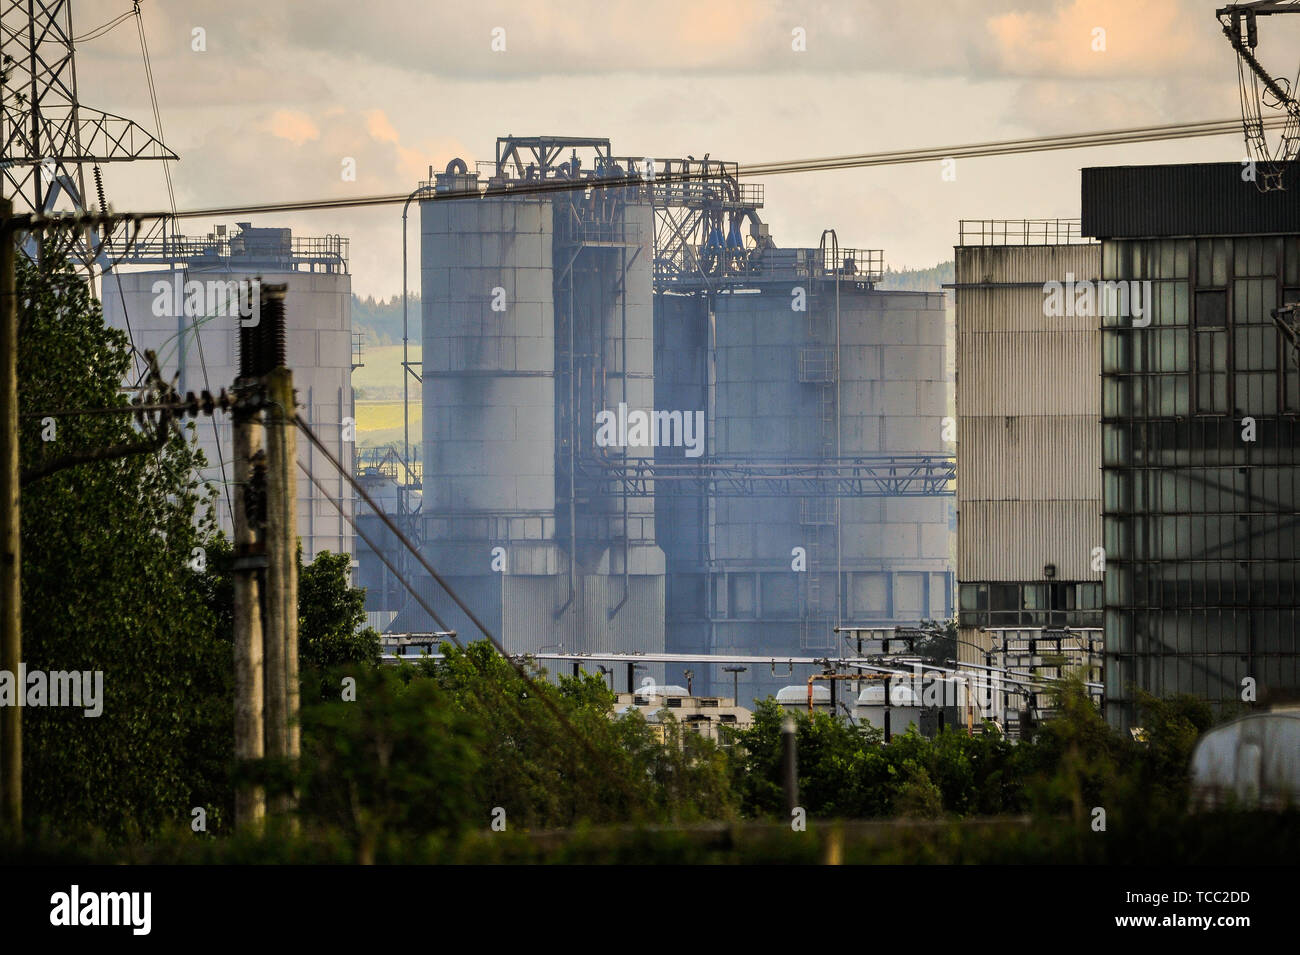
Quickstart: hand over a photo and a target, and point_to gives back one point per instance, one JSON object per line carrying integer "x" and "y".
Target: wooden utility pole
{"x": 266, "y": 536}
{"x": 250, "y": 559}
{"x": 282, "y": 530}
{"x": 11, "y": 639}
{"x": 282, "y": 730}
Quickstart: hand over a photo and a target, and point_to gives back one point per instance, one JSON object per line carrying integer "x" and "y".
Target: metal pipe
{"x": 573, "y": 440}
{"x": 623, "y": 374}
{"x": 406, "y": 370}
{"x": 789, "y": 765}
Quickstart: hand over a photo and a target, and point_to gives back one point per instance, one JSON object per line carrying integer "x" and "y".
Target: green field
{"x": 380, "y": 422}
{"x": 380, "y": 375}
{"x": 377, "y": 385}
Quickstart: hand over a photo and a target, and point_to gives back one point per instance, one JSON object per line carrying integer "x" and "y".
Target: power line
{"x": 106, "y": 28}
{"x": 216, "y": 433}
{"x": 378, "y": 552}
{"x": 513, "y": 663}
{"x": 1112, "y": 137}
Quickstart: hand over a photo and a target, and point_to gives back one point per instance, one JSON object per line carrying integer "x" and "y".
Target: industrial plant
{"x": 648, "y": 428}
{"x": 180, "y": 297}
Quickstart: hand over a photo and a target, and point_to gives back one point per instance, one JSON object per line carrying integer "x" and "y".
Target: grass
{"x": 380, "y": 422}
{"x": 380, "y": 375}
{"x": 378, "y": 386}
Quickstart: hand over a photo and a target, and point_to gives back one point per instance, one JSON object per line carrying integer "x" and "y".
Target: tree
{"x": 940, "y": 643}
{"x": 331, "y": 613}
{"x": 108, "y": 586}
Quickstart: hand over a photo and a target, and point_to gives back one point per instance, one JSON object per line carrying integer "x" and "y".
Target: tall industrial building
{"x": 811, "y": 412}
{"x": 537, "y": 318}
{"x": 1028, "y": 429}
{"x": 647, "y": 428}
{"x": 1200, "y": 440}
{"x": 181, "y": 307}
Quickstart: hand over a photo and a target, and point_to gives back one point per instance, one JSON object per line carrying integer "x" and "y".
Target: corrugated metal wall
{"x": 1035, "y": 458}
{"x": 997, "y": 264}
{"x": 1028, "y": 405}
{"x": 1027, "y": 373}
{"x": 1015, "y": 540}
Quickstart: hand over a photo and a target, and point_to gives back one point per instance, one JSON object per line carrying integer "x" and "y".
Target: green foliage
{"x": 828, "y": 752}
{"x": 1171, "y": 728}
{"x": 398, "y": 760}
{"x": 107, "y": 586}
{"x": 917, "y": 796}
{"x": 932, "y": 279}
{"x": 380, "y": 320}
{"x": 1075, "y": 762}
{"x": 547, "y": 773}
{"x": 331, "y": 613}
{"x": 940, "y": 645}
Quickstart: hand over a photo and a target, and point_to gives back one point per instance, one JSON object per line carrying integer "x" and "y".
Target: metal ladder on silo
{"x": 827, "y": 409}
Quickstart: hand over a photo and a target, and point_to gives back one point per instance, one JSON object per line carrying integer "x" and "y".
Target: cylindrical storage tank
{"x": 779, "y": 381}
{"x": 189, "y": 316}
{"x": 488, "y": 357}
{"x": 795, "y": 697}
{"x": 488, "y": 428}
{"x": 628, "y": 343}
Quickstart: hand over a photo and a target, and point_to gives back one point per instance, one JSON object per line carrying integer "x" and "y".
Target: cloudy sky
{"x": 268, "y": 98}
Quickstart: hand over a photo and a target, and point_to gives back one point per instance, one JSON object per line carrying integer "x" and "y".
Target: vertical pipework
{"x": 790, "y": 762}
{"x": 623, "y": 373}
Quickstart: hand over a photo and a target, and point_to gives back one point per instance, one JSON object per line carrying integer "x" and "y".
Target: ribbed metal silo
{"x": 538, "y": 318}
{"x": 488, "y": 424}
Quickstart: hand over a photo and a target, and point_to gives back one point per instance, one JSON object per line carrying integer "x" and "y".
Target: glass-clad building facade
{"x": 1200, "y": 435}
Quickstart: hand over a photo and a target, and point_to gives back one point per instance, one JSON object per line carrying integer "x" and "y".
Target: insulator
{"x": 99, "y": 189}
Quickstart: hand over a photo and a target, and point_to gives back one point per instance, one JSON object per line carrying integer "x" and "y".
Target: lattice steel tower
{"x": 49, "y": 136}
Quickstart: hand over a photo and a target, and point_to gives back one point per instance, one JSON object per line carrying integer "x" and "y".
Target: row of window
{"x": 750, "y": 595}
{"x": 1064, "y": 604}
{"x": 1155, "y": 488}
{"x": 1201, "y": 587}
{"x": 1211, "y": 261}
{"x": 1213, "y": 678}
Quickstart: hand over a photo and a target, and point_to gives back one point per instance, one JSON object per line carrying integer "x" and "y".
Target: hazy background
{"x": 286, "y": 90}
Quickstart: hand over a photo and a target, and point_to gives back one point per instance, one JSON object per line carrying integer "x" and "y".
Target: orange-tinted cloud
{"x": 1099, "y": 38}
{"x": 292, "y": 125}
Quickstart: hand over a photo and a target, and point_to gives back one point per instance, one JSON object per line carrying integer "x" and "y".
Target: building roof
{"x": 1130, "y": 202}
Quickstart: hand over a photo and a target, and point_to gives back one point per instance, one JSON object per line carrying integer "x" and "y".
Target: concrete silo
{"x": 537, "y": 319}
{"x": 805, "y": 369}
{"x": 181, "y": 308}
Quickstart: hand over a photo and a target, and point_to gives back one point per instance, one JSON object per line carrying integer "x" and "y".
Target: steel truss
{"x": 900, "y": 475}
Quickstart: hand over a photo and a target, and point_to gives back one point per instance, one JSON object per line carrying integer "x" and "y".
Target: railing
{"x": 299, "y": 253}
{"x": 867, "y": 265}
{"x": 1021, "y": 232}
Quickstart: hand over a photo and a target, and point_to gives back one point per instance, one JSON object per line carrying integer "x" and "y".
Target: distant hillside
{"x": 381, "y": 321}
{"x": 919, "y": 280}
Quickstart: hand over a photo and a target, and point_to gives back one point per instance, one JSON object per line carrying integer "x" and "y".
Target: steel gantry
{"x": 900, "y": 475}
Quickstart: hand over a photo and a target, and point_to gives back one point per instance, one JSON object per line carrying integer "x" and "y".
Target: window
{"x": 1212, "y": 308}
